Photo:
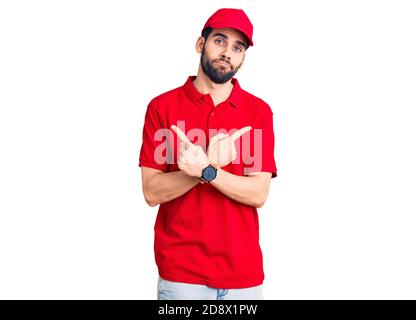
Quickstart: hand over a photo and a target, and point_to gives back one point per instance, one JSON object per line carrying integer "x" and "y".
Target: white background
{"x": 75, "y": 80}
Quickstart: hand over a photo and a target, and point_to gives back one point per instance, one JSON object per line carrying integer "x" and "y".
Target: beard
{"x": 216, "y": 75}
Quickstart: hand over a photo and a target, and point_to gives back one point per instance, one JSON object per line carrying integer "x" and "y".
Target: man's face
{"x": 222, "y": 54}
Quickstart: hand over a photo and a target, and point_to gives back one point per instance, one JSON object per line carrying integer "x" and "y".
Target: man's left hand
{"x": 192, "y": 158}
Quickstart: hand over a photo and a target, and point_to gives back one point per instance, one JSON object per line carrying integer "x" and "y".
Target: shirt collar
{"x": 194, "y": 95}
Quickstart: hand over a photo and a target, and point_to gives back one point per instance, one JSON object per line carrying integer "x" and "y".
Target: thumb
{"x": 217, "y": 137}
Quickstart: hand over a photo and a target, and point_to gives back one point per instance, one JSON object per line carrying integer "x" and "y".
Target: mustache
{"x": 224, "y": 61}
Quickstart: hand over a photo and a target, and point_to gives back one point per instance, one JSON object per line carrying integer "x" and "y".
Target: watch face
{"x": 209, "y": 173}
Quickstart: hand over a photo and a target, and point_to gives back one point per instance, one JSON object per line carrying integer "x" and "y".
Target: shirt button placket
{"x": 211, "y": 120}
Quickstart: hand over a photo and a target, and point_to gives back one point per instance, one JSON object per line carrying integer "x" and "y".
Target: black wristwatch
{"x": 209, "y": 173}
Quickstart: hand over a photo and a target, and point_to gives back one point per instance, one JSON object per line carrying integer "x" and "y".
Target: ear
{"x": 199, "y": 44}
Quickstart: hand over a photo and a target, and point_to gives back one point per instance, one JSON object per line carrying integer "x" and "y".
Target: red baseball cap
{"x": 231, "y": 18}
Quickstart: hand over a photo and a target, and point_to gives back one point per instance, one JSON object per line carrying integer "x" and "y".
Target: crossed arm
{"x": 160, "y": 187}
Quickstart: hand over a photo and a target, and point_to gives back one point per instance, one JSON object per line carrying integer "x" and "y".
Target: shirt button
{"x": 212, "y": 114}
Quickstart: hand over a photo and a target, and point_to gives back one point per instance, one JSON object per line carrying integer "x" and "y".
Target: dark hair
{"x": 207, "y": 31}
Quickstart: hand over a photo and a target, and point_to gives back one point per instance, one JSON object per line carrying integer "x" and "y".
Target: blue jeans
{"x": 170, "y": 290}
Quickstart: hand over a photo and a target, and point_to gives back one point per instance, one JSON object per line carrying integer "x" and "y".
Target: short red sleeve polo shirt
{"x": 204, "y": 237}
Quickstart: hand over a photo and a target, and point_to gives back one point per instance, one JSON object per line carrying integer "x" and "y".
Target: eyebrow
{"x": 225, "y": 37}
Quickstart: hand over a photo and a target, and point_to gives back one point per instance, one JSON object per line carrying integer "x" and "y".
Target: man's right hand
{"x": 221, "y": 149}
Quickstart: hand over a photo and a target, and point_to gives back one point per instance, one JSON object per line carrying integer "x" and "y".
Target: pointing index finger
{"x": 239, "y": 133}
{"x": 181, "y": 135}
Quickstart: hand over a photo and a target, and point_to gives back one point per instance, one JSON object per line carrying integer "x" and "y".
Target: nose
{"x": 226, "y": 55}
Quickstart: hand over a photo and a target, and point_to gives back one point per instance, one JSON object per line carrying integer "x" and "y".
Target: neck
{"x": 219, "y": 92}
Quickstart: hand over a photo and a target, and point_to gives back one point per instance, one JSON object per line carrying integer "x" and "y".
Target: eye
{"x": 239, "y": 49}
{"x": 216, "y": 41}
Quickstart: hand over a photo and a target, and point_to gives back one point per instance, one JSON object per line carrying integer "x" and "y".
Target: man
{"x": 206, "y": 231}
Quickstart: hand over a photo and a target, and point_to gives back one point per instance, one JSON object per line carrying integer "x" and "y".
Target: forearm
{"x": 164, "y": 187}
{"x": 250, "y": 190}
